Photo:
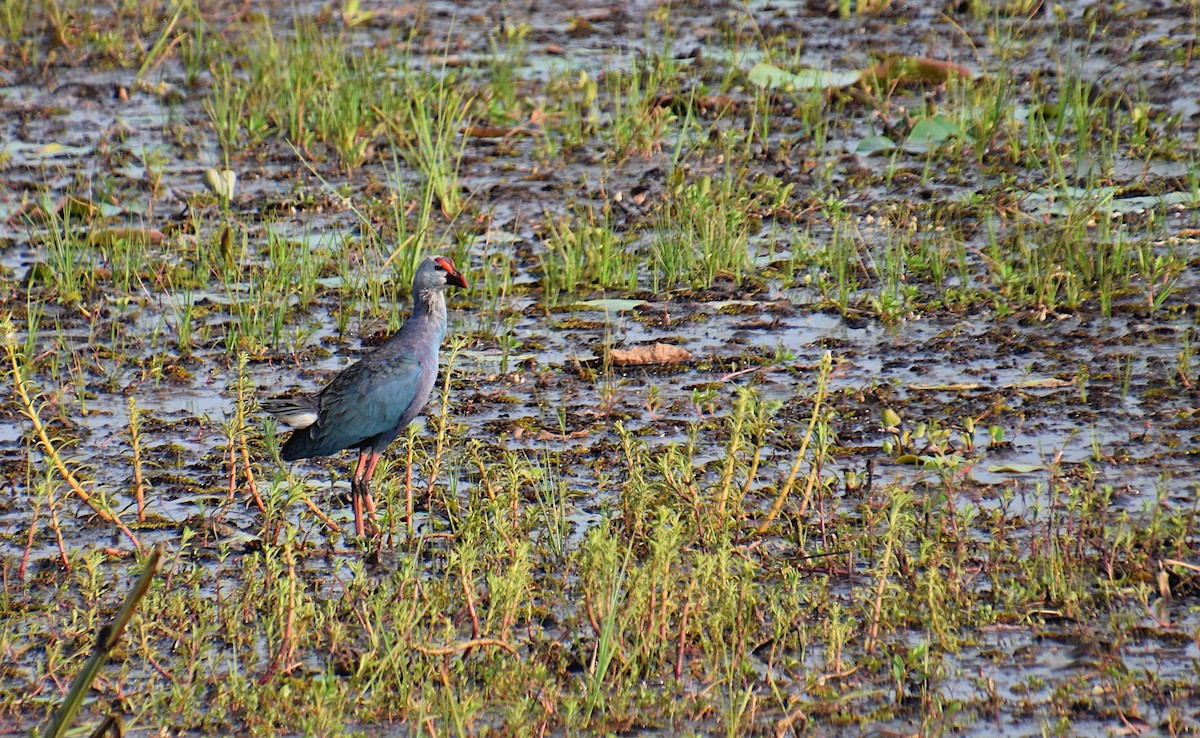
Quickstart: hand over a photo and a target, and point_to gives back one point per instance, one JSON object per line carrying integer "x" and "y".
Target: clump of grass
{"x": 1081, "y": 259}
{"x": 308, "y": 86}
{"x": 431, "y": 113}
{"x": 106, "y": 641}
{"x": 721, "y": 573}
{"x": 702, "y": 233}
{"x": 576, "y": 116}
{"x": 584, "y": 252}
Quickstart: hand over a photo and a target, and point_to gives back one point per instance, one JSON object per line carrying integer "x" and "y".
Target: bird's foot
{"x": 356, "y": 501}
{"x": 373, "y": 528}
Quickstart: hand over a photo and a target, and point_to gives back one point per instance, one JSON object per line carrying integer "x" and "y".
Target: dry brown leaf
{"x": 546, "y": 435}
{"x": 659, "y": 353}
{"x": 480, "y": 131}
{"x": 133, "y": 235}
{"x": 912, "y": 70}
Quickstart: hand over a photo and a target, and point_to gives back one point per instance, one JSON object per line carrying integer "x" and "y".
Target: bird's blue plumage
{"x": 371, "y": 403}
{"x": 367, "y": 406}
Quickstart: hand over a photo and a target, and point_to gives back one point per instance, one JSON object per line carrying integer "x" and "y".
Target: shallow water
{"x": 1082, "y": 399}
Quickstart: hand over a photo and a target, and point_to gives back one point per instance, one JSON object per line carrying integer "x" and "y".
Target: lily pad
{"x": 874, "y": 145}
{"x": 774, "y": 78}
{"x": 483, "y": 357}
{"x": 1068, "y": 199}
{"x": 929, "y": 133}
{"x": 496, "y": 238}
{"x": 609, "y": 306}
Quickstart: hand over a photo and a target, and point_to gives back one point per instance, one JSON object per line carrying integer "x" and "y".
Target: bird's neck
{"x": 431, "y": 305}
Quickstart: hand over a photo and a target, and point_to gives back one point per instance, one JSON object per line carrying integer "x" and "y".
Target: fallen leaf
{"x": 1042, "y": 383}
{"x": 1015, "y": 468}
{"x": 612, "y": 305}
{"x": 772, "y": 77}
{"x": 911, "y": 69}
{"x": 659, "y": 353}
{"x": 481, "y": 131}
{"x": 929, "y": 133}
{"x": 546, "y": 435}
{"x": 1037, "y": 383}
{"x": 945, "y": 386}
{"x": 875, "y": 144}
{"x": 132, "y": 235}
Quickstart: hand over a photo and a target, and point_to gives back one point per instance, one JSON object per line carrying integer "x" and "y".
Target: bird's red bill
{"x": 452, "y": 274}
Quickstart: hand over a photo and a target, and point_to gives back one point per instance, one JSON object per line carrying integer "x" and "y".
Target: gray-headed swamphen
{"x": 371, "y": 402}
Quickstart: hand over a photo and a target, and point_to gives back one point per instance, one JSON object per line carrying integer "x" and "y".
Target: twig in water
{"x": 466, "y": 646}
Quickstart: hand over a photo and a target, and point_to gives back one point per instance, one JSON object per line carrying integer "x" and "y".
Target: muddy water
{"x": 1077, "y": 394}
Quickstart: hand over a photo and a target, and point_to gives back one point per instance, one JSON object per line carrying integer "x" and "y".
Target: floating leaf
{"x": 1015, "y": 468}
{"x": 496, "y": 237}
{"x": 874, "y": 145}
{"x": 945, "y": 386}
{"x": 330, "y": 283}
{"x": 931, "y": 132}
{"x": 21, "y": 151}
{"x": 659, "y": 353}
{"x": 890, "y": 418}
{"x": 609, "y": 306}
{"x": 1068, "y": 199}
{"x": 926, "y": 134}
{"x": 719, "y": 305}
{"x": 481, "y": 357}
{"x": 1142, "y": 203}
{"x": 774, "y": 78}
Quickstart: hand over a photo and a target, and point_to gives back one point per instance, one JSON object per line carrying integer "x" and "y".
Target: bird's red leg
{"x": 368, "y": 497}
{"x": 357, "y": 489}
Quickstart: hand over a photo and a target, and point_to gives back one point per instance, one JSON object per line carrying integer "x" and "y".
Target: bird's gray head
{"x": 437, "y": 273}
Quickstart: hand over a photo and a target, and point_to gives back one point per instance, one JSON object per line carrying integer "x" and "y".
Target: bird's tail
{"x": 298, "y": 412}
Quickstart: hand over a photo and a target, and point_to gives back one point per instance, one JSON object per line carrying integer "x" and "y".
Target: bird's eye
{"x": 438, "y": 264}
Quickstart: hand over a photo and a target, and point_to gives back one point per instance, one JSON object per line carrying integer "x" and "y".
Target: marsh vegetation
{"x": 929, "y": 469}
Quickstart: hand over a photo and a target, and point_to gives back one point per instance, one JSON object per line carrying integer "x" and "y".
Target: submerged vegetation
{"x": 824, "y": 369}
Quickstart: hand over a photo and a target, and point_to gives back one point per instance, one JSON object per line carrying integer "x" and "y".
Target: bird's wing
{"x": 299, "y": 411}
{"x": 368, "y": 399}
